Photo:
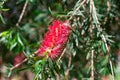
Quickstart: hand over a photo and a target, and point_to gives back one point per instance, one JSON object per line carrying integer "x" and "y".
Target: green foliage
{"x": 2, "y": 9}
{"x": 13, "y": 40}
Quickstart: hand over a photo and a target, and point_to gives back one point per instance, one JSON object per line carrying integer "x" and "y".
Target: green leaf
{"x": 79, "y": 13}
{"x": 19, "y": 39}
{"x": 50, "y": 64}
{"x": 9, "y": 73}
{"x": 38, "y": 66}
{"x": 110, "y": 40}
{"x": 4, "y": 33}
{"x": 104, "y": 61}
{"x": 13, "y": 46}
{"x": 5, "y": 9}
{"x": 104, "y": 71}
{"x": 104, "y": 48}
{"x": 2, "y": 19}
{"x": 52, "y": 13}
{"x": 88, "y": 56}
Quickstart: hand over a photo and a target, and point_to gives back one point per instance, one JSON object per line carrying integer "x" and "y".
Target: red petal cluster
{"x": 55, "y": 39}
{"x": 19, "y": 58}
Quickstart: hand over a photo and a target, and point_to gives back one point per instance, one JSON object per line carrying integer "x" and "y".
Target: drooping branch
{"x": 102, "y": 34}
{"x": 108, "y": 50}
{"x": 91, "y": 31}
{"x": 83, "y": 2}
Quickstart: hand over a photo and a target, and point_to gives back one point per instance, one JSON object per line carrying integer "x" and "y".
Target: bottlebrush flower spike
{"x": 55, "y": 39}
{"x": 19, "y": 58}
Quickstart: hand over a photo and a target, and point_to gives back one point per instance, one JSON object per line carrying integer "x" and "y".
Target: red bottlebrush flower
{"x": 55, "y": 39}
{"x": 19, "y": 58}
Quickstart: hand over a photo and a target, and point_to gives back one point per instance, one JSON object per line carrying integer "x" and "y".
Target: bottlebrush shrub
{"x": 19, "y": 58}
{"x": 55, "y": 39}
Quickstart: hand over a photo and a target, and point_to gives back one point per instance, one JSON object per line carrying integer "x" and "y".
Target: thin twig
{"x": 57, "y": 75}
{"x": 22, "y": 13}
{"x": 111, "y": 66}
{"x": 104, "y": 40}
{"x": 77, "y": 9}
{"x": 92, "y": 65}
{"x": 91, "y": 28}
{"x": 61, "y": 55}
{"x": 110, "y": 62}
{"x": 91, "y": 9}
{"x": 17, "y": 65}
{"x": 108, "y": 10}
{"x": 95, "y": 15}
{"x": 68, "y": 69}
